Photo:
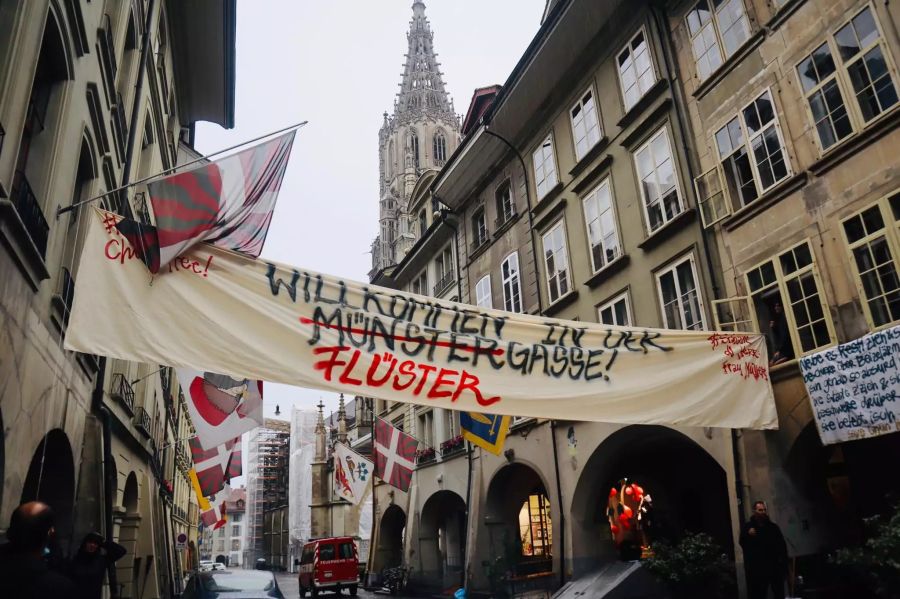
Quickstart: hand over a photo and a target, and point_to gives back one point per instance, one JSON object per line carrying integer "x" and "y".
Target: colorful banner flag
{"x": 352, "y": 473}
{"x": 395, "y": 455}
{"x": 255, "y": 319}
{"x": 221, "y": 407}
{"x": 487, "y": 431}
{"x": 212, "y": 509}
{"x": 227, "y": 203}
{"x": 213, "y": 466}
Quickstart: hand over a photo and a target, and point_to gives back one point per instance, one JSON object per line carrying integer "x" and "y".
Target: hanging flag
{"x": 262, "y": 320}
{"x": 235, "y": 467}
{"x": 227, "y": 203}
{"x": 221, "y": 407}
{"x": 352, "y": 473}
{"x": 213, "y": 466}
{"x": 487, "y": 431}
{"x": 395, "y": 455}
{"x": 212, "y": 509}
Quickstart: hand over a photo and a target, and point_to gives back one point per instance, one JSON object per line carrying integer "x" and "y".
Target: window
{"x": 873, "y": 250}
{"x": 786, "y": 300}
{"x": 716, "y": 32}
{"x": 483, "y": 292}
{"x": 711, "y": 197}
{"x": 601, "y": 226}
{"x": 544, "y": 167}
{"x": 479, "y": 228}
{"x": 235, "y": 530}
{"x": 420, "y": 284}
{"x": 345, "y": 551}
{"x": 659, "y": 184}
{"x": 426, "y": 428}
{"x": 326, "y": 552}
{"x": 751, "y": 151}
{"x": 818, "y": 76}
{"x": 444, "y": 269}
{"x": 440, "y": 149}
{"x": 616, "y": 311}
{"x": 556, "y": 260}
{"x": 535, "y": 527}
{"x": 412, "y": 149}
{"x": 862, "y": 54}
{"x": 506, "y": 208}
{"x": 585, "y": 124}
{"x": 512, "y": 290}
{"x": 423, "y": 222}
{"x": 636, "y": 74}
{"x": 682, "y": 305}
{"x": 851, "y": 63}
{"x": 235, "y": 545}
{"x": 398, "y": 423}
{"x": 220, "y": 545}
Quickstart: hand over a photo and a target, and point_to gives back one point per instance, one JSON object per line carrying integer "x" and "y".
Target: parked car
{"x": 206, "y": 565}
{"x": 329, "y": 564}
{"x": 246, "y": 584}
{"x": 218, "y": 566}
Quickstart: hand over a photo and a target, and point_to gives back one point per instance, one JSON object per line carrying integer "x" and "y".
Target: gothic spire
{"x": 422, "y": 87}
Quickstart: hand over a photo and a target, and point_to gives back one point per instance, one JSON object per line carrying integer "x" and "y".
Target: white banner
{"x": 854, "y": 387}
{"x": 217, "y": 311}
{"x": 352, "y": 473}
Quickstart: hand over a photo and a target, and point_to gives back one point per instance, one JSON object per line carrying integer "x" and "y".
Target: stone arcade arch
{"x": 129, "y": 520}
{"x": 688, "y": 487}
{"x": 441, "y": 547}
{"x": 51, "y": 479}
{"x": 519, "y": 526}
{"x": 389, "y": 552}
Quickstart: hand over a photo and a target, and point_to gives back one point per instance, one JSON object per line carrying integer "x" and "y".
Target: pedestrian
{"x": 90, "y": 563}
{"x": 24, "y": 572}
{"x": 765, "y": 554}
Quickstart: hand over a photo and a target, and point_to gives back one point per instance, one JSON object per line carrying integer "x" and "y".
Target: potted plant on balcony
{"x": 451, "y": 445}
{"x": 424, "y": 455}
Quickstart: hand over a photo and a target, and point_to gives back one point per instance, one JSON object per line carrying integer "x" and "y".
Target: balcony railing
{"x": 30, "y": 212}
{"x": 425, "y": 456}
{"x": 453, "y": 446}
{"x": 444, "y": 282}
{"x": 123, "y": 392}
{"x": 142, "y": 422}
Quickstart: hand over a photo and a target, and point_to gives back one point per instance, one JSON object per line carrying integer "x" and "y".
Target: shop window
{"x": 717, "y": 29}
{"x": 788, "y": 305}
{"x": 585, "y": 124}
{"x": 535, "y": 526}
{"x": 872, "y": 239}
{"x": 659, "y": 185}
{"x": 616, "y": 312}
{"x": 556, "y": 261}
{"x": 600, "y": 221}
{"x": 544, "y": 167}
{"x": 512, "y": 289}
{"x": 680, "y": 298}
{"x": 636, "y": 74}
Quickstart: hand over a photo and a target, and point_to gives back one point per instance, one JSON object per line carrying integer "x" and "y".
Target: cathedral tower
{"x": 419, "y": 135}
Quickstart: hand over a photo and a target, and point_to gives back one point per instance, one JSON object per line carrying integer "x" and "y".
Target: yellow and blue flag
{"x": 487, "y": 431}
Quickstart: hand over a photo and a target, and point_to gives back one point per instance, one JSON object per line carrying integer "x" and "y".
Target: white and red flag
{"x": 352, "y": 473}
{"x": 227, "y": 203}
{"x": 395, "y": 455}
{"x": 217, "y": 465}
{"x": 221, "y": 407}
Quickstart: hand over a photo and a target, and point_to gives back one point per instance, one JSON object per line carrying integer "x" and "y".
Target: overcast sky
{"x": 337, "y": 64}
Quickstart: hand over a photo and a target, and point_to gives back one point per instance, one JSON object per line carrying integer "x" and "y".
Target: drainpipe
{"x": 109, "y": 474}
{"x": 465, "y": 573}
{"x": 562, "y": 510}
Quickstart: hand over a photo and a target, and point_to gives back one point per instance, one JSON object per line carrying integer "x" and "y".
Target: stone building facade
{"x": 672, "y": 165}
{"x": 94, "y": 95}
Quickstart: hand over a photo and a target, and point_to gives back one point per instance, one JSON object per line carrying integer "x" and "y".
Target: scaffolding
{"x": 267, "y": 482}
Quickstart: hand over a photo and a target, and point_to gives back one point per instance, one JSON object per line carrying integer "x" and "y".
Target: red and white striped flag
{"x": 227, "y": 203}
{"x": 395, "y": 455}
{"x": 221, "y": 407}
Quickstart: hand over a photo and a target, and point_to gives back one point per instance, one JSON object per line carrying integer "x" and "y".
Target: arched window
{"x": 440, "y": 148}
{"x": 413, "y": 147}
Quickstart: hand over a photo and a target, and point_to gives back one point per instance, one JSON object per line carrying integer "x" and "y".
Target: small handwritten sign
{"x": 854, "y": 387}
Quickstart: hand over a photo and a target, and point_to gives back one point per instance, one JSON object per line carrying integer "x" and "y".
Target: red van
{"x": 329, "y": 564}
